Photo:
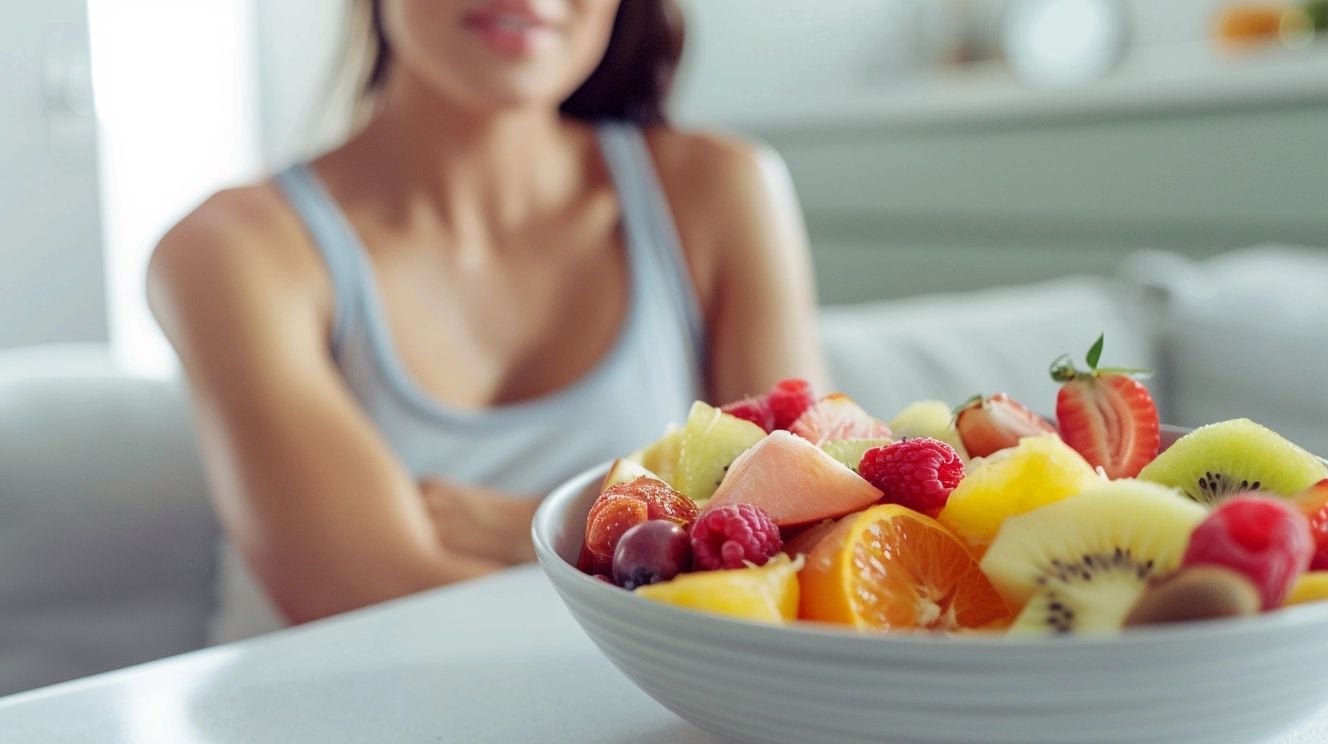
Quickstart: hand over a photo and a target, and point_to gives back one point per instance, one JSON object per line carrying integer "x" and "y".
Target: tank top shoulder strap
{"x": 649, "y": 223}
{"x": 334, "y": 238}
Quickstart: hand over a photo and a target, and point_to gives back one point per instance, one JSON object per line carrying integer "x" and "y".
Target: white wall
{"x": 50, "y": 234}
{"x": 1172, "y": 21}
{"x": 747, "y": 60}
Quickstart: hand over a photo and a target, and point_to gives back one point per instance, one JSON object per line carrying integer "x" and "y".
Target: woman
{"x": 514, "y": 270}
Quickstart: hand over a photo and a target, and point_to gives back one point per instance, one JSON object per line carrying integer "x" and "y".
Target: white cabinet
{"x": 1001, "y": 191}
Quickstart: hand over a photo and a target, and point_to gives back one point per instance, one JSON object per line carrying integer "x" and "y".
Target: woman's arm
{"x": 305, "y": 487}
{"x": 742, "y": 230}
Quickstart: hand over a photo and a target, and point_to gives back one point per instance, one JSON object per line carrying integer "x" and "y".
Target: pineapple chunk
{"x": 661, "y": 456}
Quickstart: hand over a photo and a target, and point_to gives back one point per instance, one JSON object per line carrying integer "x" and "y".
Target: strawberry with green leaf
{"x": 1106, "y": 415}
{"x": 996, "y": 422}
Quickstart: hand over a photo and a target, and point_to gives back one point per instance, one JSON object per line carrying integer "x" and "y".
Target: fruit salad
{"x": 985, "y": 517}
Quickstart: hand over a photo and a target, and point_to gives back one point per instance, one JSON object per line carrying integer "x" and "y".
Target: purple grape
{"x": 653, "y": 551}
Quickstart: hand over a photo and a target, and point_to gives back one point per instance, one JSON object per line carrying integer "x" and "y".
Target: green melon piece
{"x": 711, "y": 440}
{"x": 928, "y": 418}
{"x": 1218, "y": 460}
{"x": 850, "y": 451}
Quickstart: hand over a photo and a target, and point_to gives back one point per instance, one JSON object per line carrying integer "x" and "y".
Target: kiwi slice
{"x": 850, "y": 451}
{"x": 1219, "y": 460}
{"x": 1078, "y": 565}
{"x": 1196, "y": 593}
{"x": 711, "y": 440}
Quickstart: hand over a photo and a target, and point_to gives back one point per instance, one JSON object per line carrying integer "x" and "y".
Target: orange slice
{"x": 891, "y": 568}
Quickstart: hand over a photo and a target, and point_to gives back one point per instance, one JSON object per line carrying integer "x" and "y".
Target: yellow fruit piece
{"x": 661, "y": 456}
{"x": 1040, "y": 471}
{"x": 1312, "y": 587}
{"x": 928, "y": 418}
{"x": 768, "y": 594}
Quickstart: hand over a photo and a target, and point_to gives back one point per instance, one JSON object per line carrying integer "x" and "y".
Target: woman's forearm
{"x": 480, "y": 523}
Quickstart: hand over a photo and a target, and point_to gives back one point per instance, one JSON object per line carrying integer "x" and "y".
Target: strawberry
{"x": 788, "y": 399}
{"x": 1313, "y": 503}
{"x": 755, "y": 409}
{"x": 777, "y": 409}
{"x": 1106, "y": 415}
{"x": 988, "y": 425}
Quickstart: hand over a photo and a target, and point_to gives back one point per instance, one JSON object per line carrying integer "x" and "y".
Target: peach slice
{"x": 794, "y": 481}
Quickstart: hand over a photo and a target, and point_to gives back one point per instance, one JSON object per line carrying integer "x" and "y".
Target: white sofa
{"x": 108, "y": 546}
{"x": 106, "y": 537}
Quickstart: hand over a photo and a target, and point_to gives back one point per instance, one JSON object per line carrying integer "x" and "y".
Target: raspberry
{"x": 1261, "y": 537}
{"x": 755, "y": 410}
{"x": 916, "y": 473}
{"x": 725, "y": 536}
{"x": 788, "y": 399}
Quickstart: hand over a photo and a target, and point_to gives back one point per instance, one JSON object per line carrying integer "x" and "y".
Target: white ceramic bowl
{"x": 1239, "y": 681}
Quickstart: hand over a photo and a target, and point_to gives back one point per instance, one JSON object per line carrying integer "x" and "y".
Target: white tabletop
{"x": 499, "y": 659}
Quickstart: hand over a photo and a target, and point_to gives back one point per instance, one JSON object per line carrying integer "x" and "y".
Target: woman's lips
{"x": 510, "y": 31}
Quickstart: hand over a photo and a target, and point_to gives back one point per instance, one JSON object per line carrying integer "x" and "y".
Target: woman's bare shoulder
{"x": 711, "y": 163}
{"x": 241, "y": 250}
{"x": 249, "y": 227}
{"x": 724, "y": 191}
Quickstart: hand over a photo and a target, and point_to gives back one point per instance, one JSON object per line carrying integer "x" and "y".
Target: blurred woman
{"x": 515, "y": 269}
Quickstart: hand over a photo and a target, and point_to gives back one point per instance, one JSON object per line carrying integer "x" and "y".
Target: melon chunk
{"x": 794, "y": 481}
{"x": 850, "y": 451}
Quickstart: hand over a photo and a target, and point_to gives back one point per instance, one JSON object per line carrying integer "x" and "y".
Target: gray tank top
{"x": 648, "y": 378}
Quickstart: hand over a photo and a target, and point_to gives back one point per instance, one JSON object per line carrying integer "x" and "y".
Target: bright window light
{"x": 177, "y": 106}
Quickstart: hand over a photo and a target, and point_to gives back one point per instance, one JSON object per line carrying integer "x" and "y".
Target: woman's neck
{"x": 498, "y": 167}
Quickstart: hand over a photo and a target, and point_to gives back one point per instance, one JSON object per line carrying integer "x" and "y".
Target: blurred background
{"x": 987, "y": 184}
{"x": 936, "y": 144}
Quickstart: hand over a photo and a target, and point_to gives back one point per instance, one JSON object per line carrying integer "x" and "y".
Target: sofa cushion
{"x": 950, "y": 347}
{"x": 106, "y": 537}
{"x": 1246, "y": 335}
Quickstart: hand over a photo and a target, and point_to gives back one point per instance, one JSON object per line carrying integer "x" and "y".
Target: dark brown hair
{"x": 631, "y": 83}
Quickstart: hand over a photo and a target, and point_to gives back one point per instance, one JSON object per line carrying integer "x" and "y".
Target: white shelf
{"x": 1151, "y": 82}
